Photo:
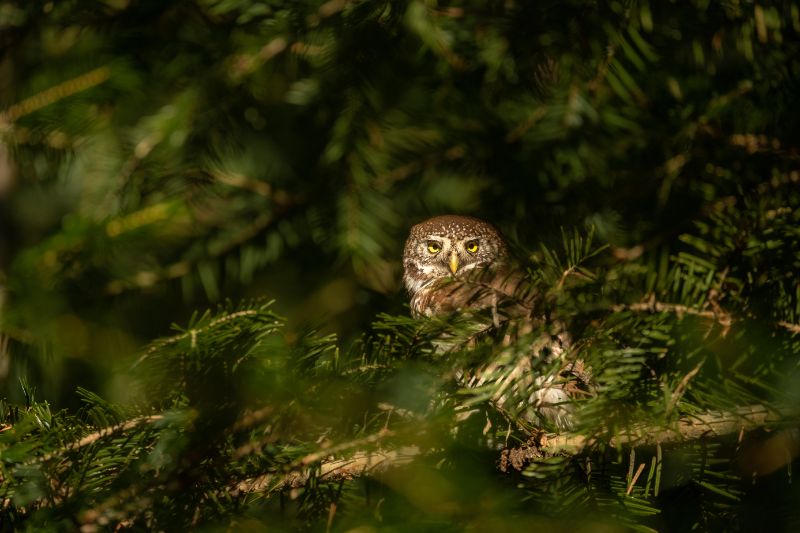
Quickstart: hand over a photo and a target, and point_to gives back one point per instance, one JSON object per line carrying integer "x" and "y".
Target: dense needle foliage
{"x": 265, "y": 160}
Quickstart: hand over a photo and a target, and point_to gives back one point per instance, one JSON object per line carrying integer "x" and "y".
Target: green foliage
{"x": 160, "y": 157}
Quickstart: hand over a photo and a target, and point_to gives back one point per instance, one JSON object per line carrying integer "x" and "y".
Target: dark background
{"x": 159, "y": 158}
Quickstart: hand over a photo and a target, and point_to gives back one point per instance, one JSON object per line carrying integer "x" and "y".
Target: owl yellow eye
{"x": 472, "y": 246}
{"x": 434, "y": 247}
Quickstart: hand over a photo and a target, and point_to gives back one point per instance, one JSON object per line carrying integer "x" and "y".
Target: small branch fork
{"x": 709, "y": 424}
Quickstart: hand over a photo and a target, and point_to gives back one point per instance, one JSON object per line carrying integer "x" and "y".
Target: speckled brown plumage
{"x": 458, "y": 263}
{"x": 482, "y": 278}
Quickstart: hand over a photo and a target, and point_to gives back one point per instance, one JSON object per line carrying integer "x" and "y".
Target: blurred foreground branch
{"x": 359, "y": 464}
{"x": 711, "y": 424}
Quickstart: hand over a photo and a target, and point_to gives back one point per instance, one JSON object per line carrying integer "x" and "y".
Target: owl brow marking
{"x": 440, "y": 239}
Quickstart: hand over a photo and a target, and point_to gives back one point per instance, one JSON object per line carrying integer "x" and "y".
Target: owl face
{"x": 447, "y": 246}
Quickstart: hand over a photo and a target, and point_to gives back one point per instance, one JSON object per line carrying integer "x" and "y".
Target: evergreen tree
{"x": 157, "y": 158}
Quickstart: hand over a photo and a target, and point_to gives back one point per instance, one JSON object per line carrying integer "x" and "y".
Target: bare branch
{"x": 794, "y": 328}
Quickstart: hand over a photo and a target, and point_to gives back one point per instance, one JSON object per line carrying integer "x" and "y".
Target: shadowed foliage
{"x": 265, "y": 161}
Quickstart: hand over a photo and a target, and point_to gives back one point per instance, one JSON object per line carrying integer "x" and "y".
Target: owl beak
{"x": 453, "y": 262}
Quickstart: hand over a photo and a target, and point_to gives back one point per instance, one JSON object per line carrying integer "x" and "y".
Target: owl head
{"x": 448, "y": 246}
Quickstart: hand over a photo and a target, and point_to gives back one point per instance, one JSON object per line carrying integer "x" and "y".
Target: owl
{"x": 455, "y": 263}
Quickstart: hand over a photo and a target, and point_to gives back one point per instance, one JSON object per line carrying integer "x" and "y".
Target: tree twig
{"x": 719, "y": 315}
{"x": 91, "y": 438}
{"x": 706, "y": 425}
{"x": 794, "y": 328}
{"x": 194, "y": 332}
{"x": 359, "y": 464}
{"x": 681, "y": 388}
{"x": 54, "y": 94}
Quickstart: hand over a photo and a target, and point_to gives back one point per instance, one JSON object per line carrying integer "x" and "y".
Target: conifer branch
{"x": 718, "y": 315}
{"x": 54, "y": 94}
{"x": 91, "y": 438}
{"x": 388, "y": 179}
{"x": 178, "y": 269}
{"x": 331, "y": 469}
{"x": 706, "y": 425}
{"x": 194, "y": 332}
{"x": 359, "y": 464}
{"x": 654, "y": 306}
